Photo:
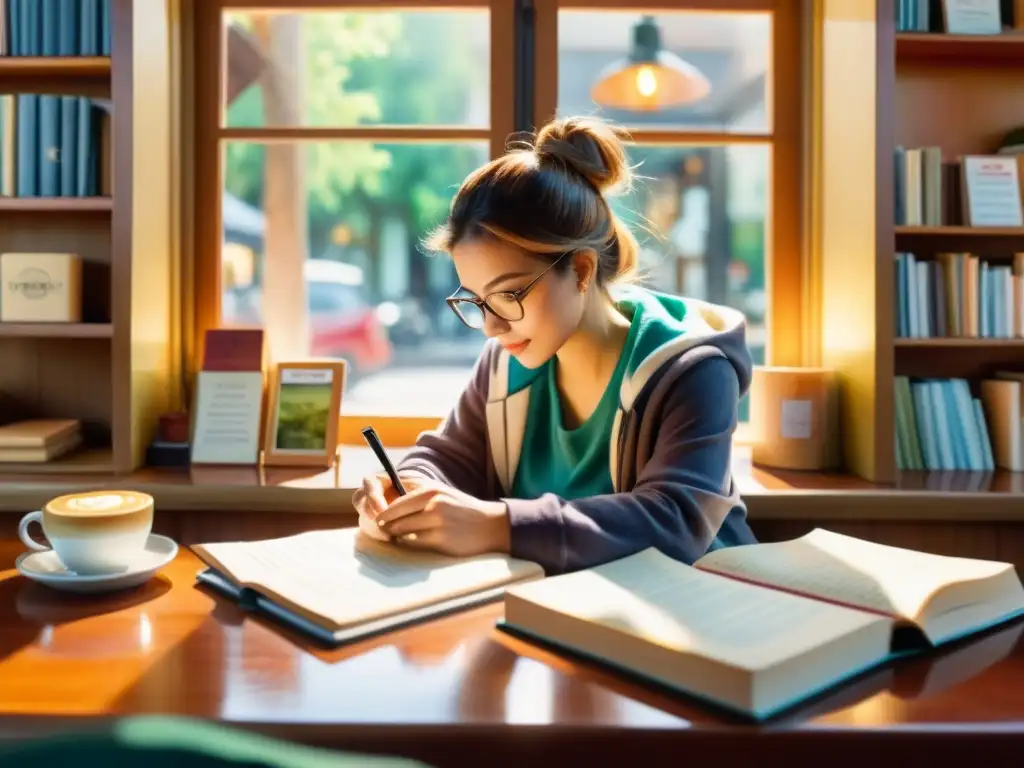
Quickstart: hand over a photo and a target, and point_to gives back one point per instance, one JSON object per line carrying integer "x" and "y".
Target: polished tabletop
{"x": 171, "y": 647}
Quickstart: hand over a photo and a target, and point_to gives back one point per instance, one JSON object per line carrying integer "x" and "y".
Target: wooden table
{"x": 456, "y": 691}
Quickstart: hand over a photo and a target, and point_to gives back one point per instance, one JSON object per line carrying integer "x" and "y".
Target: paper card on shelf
{"x": 227, "y": 417}
{"x": 972, "y": 17}
{"x": 992, "y": 190}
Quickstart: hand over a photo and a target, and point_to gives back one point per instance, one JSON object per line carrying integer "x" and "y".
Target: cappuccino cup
{"x": 93, "y": 533}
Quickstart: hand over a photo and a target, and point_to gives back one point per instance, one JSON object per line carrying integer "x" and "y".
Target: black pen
{"x": 374, "y": 442}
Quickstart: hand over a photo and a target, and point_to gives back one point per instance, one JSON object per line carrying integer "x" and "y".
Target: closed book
{"x": 757, "y": 629}
{"x": 37, "y": 433}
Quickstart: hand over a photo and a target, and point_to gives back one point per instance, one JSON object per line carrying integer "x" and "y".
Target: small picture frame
{"x": 303, "y": 406}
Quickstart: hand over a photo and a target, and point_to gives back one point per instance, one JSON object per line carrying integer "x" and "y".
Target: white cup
{"x": 95, "y": 532}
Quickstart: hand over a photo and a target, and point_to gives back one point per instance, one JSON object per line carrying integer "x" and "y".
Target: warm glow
{"x": 646, "y": 81}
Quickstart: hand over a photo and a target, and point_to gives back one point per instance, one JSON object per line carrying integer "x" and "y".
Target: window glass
{"x": 700, "y": 215}
{"x": 352, "y": 68}
{"x": 709, "y": 73}
{"x": 337, "y": 227}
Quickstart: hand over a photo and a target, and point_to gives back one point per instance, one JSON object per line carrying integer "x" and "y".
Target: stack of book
{"x": 959, "y": 295}
{"x": 940, "y": 426}
{"x": 38, "y": 440}
{"x": 55, "y": 27}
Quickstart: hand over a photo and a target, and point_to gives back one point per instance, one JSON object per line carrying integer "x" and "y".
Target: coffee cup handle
{"x": 28, "y": 541}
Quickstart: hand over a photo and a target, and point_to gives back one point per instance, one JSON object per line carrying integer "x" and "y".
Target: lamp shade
{"x": 649, "y": 78}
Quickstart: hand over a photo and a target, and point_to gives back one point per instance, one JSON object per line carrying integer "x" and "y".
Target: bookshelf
{"x": 111, "y": 370}
{"x": 961, "y": 93}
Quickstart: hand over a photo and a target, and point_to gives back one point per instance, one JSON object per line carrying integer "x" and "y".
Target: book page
{"x": 343, "y": 577}
{"x": 683, "y": 609}
{"x": 889, "y": 579}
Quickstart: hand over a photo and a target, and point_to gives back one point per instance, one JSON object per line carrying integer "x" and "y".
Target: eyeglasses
{"x": 506, "y": 305}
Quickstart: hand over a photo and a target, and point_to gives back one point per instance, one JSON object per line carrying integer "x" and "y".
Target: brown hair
{"x": 550, "y": 198}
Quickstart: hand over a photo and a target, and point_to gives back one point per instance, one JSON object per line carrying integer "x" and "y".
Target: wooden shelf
{"x": 957, "y": 341}
{"x": 49, "y": 66}
{"x": 55, "y": 74}
{"x": 84, "y": 461}
{"x": 1003, "y": 49}
{"x": 55, "y": 204}
{"x": 955, "y": 231}
{"x": 56, "y": 330}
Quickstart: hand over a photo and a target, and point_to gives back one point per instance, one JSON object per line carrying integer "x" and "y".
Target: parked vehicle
{"x": 343, "y": 324}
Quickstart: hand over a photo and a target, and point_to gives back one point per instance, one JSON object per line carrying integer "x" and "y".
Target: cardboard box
{"x": 40, "y": 288}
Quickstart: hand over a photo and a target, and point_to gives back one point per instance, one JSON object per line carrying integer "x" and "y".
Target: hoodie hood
{"x": 665, "y": 326}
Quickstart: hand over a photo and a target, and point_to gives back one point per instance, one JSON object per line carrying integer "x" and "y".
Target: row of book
{"x": 55, "y": 27}
{"x": 959, "y": 295}
{"x": 941, "y": 426}
{"x": 913, "y": 16}
{"x": 54, "y": 146}
{"x": 926, "y": 190}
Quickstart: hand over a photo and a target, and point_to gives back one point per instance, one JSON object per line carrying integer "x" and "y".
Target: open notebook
{"x": 759, "y": 628}
{"x": 338, "y": 586}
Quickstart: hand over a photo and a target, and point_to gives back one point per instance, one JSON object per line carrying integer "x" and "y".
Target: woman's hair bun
{"x": 588, "y": 147}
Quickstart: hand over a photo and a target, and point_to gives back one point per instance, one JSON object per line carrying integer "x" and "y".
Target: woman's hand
{"x": 434, "y": 516}
{"x": 373, "y": 497}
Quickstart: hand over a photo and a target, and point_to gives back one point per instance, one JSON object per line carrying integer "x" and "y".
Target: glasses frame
{"x": 453, "y": 301}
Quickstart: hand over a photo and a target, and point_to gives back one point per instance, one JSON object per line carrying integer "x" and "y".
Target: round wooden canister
{"x": 794, "y": 417}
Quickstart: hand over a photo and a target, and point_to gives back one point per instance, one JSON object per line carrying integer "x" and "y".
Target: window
{"x": 332, "y": 138}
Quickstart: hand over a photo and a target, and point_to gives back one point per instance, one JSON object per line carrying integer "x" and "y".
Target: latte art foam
{"x": 98, "y": 504}
{"x": 95, "y": 503}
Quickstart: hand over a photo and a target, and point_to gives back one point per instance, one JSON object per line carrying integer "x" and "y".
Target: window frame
{"x": 784, "y": 245}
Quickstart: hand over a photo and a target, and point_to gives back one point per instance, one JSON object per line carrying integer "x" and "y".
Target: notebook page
{"x": 876, "y": 576}
{"x": 347, "y": 578}
{"x": 683, "y": 609}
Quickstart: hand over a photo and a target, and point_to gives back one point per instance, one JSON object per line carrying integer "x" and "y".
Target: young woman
{"x": 598, "y": 420}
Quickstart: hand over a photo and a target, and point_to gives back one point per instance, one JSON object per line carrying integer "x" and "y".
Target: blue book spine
{"x": 33, "y": 10}
{"x": 11, "y": 20}
{"x": 68, "y": 32}
{"x": 49, "y": 146}
{"x": 28, "y": 145}
{"x": 50, "y": 18}
{"x": 17, "y": 31}
{"x": 107, "y": 27}
{"x": 899, "y": 185}
{"x": 68, "y": 146}
{"x": 88, "y": 43}
{"x": 86, "y": 147}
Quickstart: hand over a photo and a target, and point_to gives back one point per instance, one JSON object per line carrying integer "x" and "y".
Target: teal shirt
{"x": 572, "y": 463}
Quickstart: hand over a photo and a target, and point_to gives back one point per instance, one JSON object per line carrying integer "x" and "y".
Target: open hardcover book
{"x": 759, "y": 628}
{"x": 338, "y": 586}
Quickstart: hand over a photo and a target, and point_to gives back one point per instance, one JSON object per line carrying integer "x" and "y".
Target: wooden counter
{"x": 450, "y": 691}
{"x": 958, "y": 513}
{"x": 769, "y": 494}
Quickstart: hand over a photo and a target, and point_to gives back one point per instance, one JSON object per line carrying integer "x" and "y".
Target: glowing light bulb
{"x": 646, "y": 81}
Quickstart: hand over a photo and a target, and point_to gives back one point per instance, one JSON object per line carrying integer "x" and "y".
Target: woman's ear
{"x": 584, "y": 264}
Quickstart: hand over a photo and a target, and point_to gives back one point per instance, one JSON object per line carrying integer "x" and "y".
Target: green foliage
{"x": 371, "y": 68}
{"x": 303, "y": 414}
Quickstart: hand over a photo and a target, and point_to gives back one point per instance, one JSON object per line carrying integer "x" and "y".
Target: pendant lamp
{"x": 649, "y": 79}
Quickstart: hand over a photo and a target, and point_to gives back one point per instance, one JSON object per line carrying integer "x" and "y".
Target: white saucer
{"x": 46, "y": 568}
